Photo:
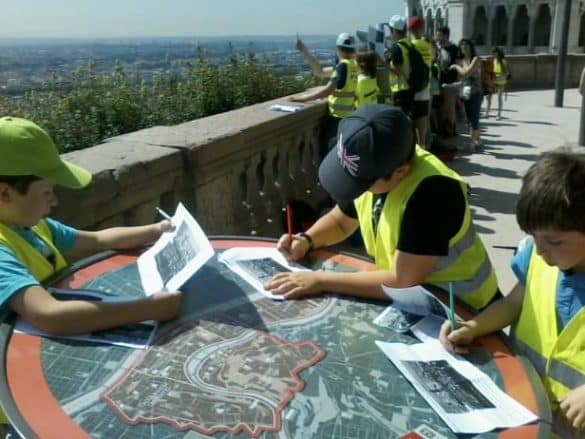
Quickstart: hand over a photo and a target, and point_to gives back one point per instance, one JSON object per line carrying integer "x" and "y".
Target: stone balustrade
{"x": 538, "y": 70}
{"x": 234, "y": 171}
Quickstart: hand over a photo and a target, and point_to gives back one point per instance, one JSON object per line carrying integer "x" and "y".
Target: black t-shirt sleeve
{"x": 453, "y": 52}
{"x": 348, "y": 209}
{"x": 341, "y": 76}
{"x": 396, "y": 55}
{"x": 433, "y": 215}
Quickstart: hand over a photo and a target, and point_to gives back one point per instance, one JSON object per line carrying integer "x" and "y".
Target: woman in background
{"x": 501, "y": 77}
{"x": 469, "y": 70}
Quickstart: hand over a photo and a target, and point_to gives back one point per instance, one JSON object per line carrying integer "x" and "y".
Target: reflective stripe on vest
{"x": 366, "y": 91}
{"x": 557, "y": 357}
{"x": 400, "y": 82}
{"x": 30, "y": 257}
{"x": 466, "y": 265}
{"x": 342, "y": 101}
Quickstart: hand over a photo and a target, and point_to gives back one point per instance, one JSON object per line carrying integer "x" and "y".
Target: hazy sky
{"x": 119, "y": 18}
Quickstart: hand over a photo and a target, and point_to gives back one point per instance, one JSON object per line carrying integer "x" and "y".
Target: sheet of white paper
{"x": 257, "y": 265}
{"x": 461, "y": 394}
{"x": 409, "y": 306}
{"x": 176, "y": 256}
{"x": 428, "y": 328}
{"x": 416, "y": 300}
{"x": 137, "y": 336}
{"x": 285, "y": 108}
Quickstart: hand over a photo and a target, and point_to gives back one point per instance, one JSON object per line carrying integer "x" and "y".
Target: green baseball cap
{"x": 26, "y": 149}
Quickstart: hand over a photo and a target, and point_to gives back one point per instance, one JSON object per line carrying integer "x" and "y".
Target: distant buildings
{"x": 518, "y": 26}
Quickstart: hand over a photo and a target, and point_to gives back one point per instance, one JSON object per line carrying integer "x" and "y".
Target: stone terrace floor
{"x": 530, "y": 125}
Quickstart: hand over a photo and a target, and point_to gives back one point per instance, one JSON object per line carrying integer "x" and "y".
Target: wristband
{"x": 308, "y": 238}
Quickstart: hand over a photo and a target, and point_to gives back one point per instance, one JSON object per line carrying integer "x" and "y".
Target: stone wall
{"x": 538, "y": 71}
{"x": 234, "y": 171}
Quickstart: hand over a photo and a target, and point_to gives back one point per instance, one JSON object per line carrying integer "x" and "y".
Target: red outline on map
{"x": 238, "y": 428}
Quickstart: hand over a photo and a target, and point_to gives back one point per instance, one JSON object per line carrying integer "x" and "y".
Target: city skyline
{"x": 174, "y": 18}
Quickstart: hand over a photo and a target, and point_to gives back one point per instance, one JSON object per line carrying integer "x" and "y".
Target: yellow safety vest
{"x": 342, "y": 101}
{"x": 500, "y": 74}
{"x": 399, "y": 83}
{"x": 559, "y": 358}
{"x": 466, "y": 265}
{"x": 426, "y": 52}
{"x": 425, "y": 49}
{"x": 367, "y": 91}
{"x": 38, "y": 265}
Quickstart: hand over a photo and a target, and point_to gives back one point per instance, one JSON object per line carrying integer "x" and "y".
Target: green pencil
{"x": 452, "y": 307}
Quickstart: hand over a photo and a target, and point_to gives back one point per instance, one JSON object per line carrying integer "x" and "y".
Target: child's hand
{"x": 166, "y": 305}
{"x": 572, "y": 408}
{"x": 454, "y": 341}
{"x": 160, "y": 228}
{"x": 297, "y": 99}
{"x": 294, "y": 247}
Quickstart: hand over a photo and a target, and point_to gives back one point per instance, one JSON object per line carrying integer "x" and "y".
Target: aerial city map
{"x": 239, "y": 365}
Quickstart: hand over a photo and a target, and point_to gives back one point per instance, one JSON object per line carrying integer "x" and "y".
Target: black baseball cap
{"x": 371, "y": 144}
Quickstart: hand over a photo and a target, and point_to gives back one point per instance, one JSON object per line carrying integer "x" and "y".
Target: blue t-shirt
{"x": 14, "y": 275}
{"x": 570, "y": 289}
{"x": 340, "y": 77}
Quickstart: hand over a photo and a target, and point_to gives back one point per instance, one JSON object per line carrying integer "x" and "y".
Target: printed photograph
{"x": 398, "y": 320}
{"x": 176, "y": 254}
{"x": 262, "y": 269}
{"x": 451, "y": 390}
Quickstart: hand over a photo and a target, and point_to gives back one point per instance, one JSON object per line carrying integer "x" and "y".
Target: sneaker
{"x": 498, "y": 117}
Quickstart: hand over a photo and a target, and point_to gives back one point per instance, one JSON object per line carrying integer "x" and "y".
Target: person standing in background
{"x": 422, "y": 99}
{"x": 367, "y": 91}
{"x": 340, "y": 91}
{"x": 448, "y": 54}
{"x": 501, "y": 77}
{"x": 399, "y": 65}
{"x": 469, "y": 70}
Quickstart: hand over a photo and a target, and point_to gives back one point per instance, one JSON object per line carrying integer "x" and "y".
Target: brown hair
{"x": 553, "y": 193}
{"x": 20, "y": 183}
{"x": 367, "y": 63}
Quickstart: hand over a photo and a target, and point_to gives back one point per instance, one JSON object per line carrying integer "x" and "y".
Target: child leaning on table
{"x": 34, "y": 247}
{"x": 546, "y": 308}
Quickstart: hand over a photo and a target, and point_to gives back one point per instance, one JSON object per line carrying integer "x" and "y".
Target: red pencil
{"x": 289, "y": 221}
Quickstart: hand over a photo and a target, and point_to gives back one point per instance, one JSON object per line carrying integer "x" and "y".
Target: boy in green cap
{"x": 33, "y": 247}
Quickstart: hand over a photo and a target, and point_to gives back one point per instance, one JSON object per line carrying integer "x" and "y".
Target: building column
{"x": 531, "y": 23}
{"x": 574, "y": 27}
{"x": 455, "y": 19}
{"x": 490, "y": 31}
{"x": 556, "y": 26}
{"x": 510, "y": 31}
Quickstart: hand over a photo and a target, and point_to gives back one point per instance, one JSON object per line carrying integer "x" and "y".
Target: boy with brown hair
{"x": 546, "y": 308}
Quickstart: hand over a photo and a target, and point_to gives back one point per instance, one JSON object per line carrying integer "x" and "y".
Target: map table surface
{"x": 236, "y": 364}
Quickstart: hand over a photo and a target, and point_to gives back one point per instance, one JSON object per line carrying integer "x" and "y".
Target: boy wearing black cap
{"x": 392, "y": 189}
{"x": 34, "y": 247}
{"x": 340, "y": 91}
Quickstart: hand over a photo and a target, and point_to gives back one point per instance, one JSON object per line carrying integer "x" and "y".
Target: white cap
{"x": 398, "y": 22}
{"x": 346, "y": 40}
